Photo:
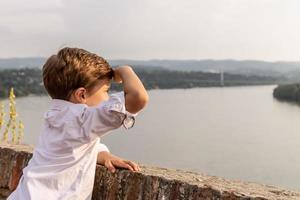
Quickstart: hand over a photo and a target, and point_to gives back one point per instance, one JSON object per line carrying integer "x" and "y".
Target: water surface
{"x": 240, "y": 133}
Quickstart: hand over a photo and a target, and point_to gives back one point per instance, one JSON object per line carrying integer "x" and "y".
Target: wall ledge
{"x": 150, "y": 183}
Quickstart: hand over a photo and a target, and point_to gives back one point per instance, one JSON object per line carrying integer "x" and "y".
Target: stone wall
{"x": 150, "y": 183}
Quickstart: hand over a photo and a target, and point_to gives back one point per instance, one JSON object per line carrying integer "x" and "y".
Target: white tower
{"x": 221, "y": 78}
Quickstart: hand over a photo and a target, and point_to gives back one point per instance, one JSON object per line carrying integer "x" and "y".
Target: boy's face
{"x": 98, "y": 94}
{"x": 94, "y": 97}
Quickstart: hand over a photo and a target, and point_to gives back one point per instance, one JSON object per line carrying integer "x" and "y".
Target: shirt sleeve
{"x": 109, "y": 115}
{"x": 102, "y": 147}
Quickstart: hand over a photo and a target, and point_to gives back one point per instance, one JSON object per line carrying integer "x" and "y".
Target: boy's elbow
{"x": 143, "y": 100}
{"x": 140, "y": 100}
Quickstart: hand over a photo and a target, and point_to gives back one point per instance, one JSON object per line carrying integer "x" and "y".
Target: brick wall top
{"x": 150, "y": 183}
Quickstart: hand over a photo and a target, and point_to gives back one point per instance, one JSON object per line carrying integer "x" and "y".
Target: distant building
{"x": 221, "y": 78}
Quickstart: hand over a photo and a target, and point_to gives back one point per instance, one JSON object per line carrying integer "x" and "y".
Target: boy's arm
{"x": 136, "y": 96}
{"x": 120, "y": 108}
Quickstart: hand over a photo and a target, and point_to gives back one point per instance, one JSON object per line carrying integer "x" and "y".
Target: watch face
{"x": 128, "y": 122}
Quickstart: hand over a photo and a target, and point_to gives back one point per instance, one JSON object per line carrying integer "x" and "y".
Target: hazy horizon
{"x": 264, "y": 30}
{"x": 169, "y": 59}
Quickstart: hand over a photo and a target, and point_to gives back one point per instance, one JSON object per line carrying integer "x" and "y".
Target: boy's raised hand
{"x": 111, "y": 161}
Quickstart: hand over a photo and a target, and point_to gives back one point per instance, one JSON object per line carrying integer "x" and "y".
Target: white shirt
{"x": 64, "y": 161}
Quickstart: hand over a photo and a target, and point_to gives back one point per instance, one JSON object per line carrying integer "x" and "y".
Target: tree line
{"x": 289, "y": 92}
{"x": 27, "y": 81}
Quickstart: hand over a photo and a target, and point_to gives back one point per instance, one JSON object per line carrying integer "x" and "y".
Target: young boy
{"x": 81, "y": 111}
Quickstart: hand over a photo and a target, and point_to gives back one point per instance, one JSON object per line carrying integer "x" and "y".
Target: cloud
{"x": 5, "y": 31}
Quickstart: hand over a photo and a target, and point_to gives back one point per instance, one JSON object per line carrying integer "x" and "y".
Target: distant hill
{"x": 246, "y": 67}
{"x": 291, "y": 70}
{"x": 18, "y": 63}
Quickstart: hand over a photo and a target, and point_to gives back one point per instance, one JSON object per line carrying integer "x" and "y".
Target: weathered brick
{"x": 150, "y": 183}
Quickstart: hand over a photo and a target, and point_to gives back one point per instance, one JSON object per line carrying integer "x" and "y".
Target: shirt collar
{"x": 58, "y": 104}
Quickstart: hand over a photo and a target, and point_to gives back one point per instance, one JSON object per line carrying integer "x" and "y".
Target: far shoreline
{"x": 156, "y": 89}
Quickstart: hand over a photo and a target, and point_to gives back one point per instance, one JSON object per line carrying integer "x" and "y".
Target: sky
{"x": 153, "y": 29}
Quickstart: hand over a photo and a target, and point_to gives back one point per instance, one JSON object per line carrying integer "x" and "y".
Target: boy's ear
{"x": 80, "y": 95}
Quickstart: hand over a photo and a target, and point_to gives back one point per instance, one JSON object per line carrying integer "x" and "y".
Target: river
{"x": 239, "y": 133}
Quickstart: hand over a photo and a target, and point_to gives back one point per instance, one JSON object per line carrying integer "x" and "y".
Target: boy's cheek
{"x": 103, "y": 97}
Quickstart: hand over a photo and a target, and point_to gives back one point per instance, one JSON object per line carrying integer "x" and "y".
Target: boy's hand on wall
{"x": 111, "y": 161}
